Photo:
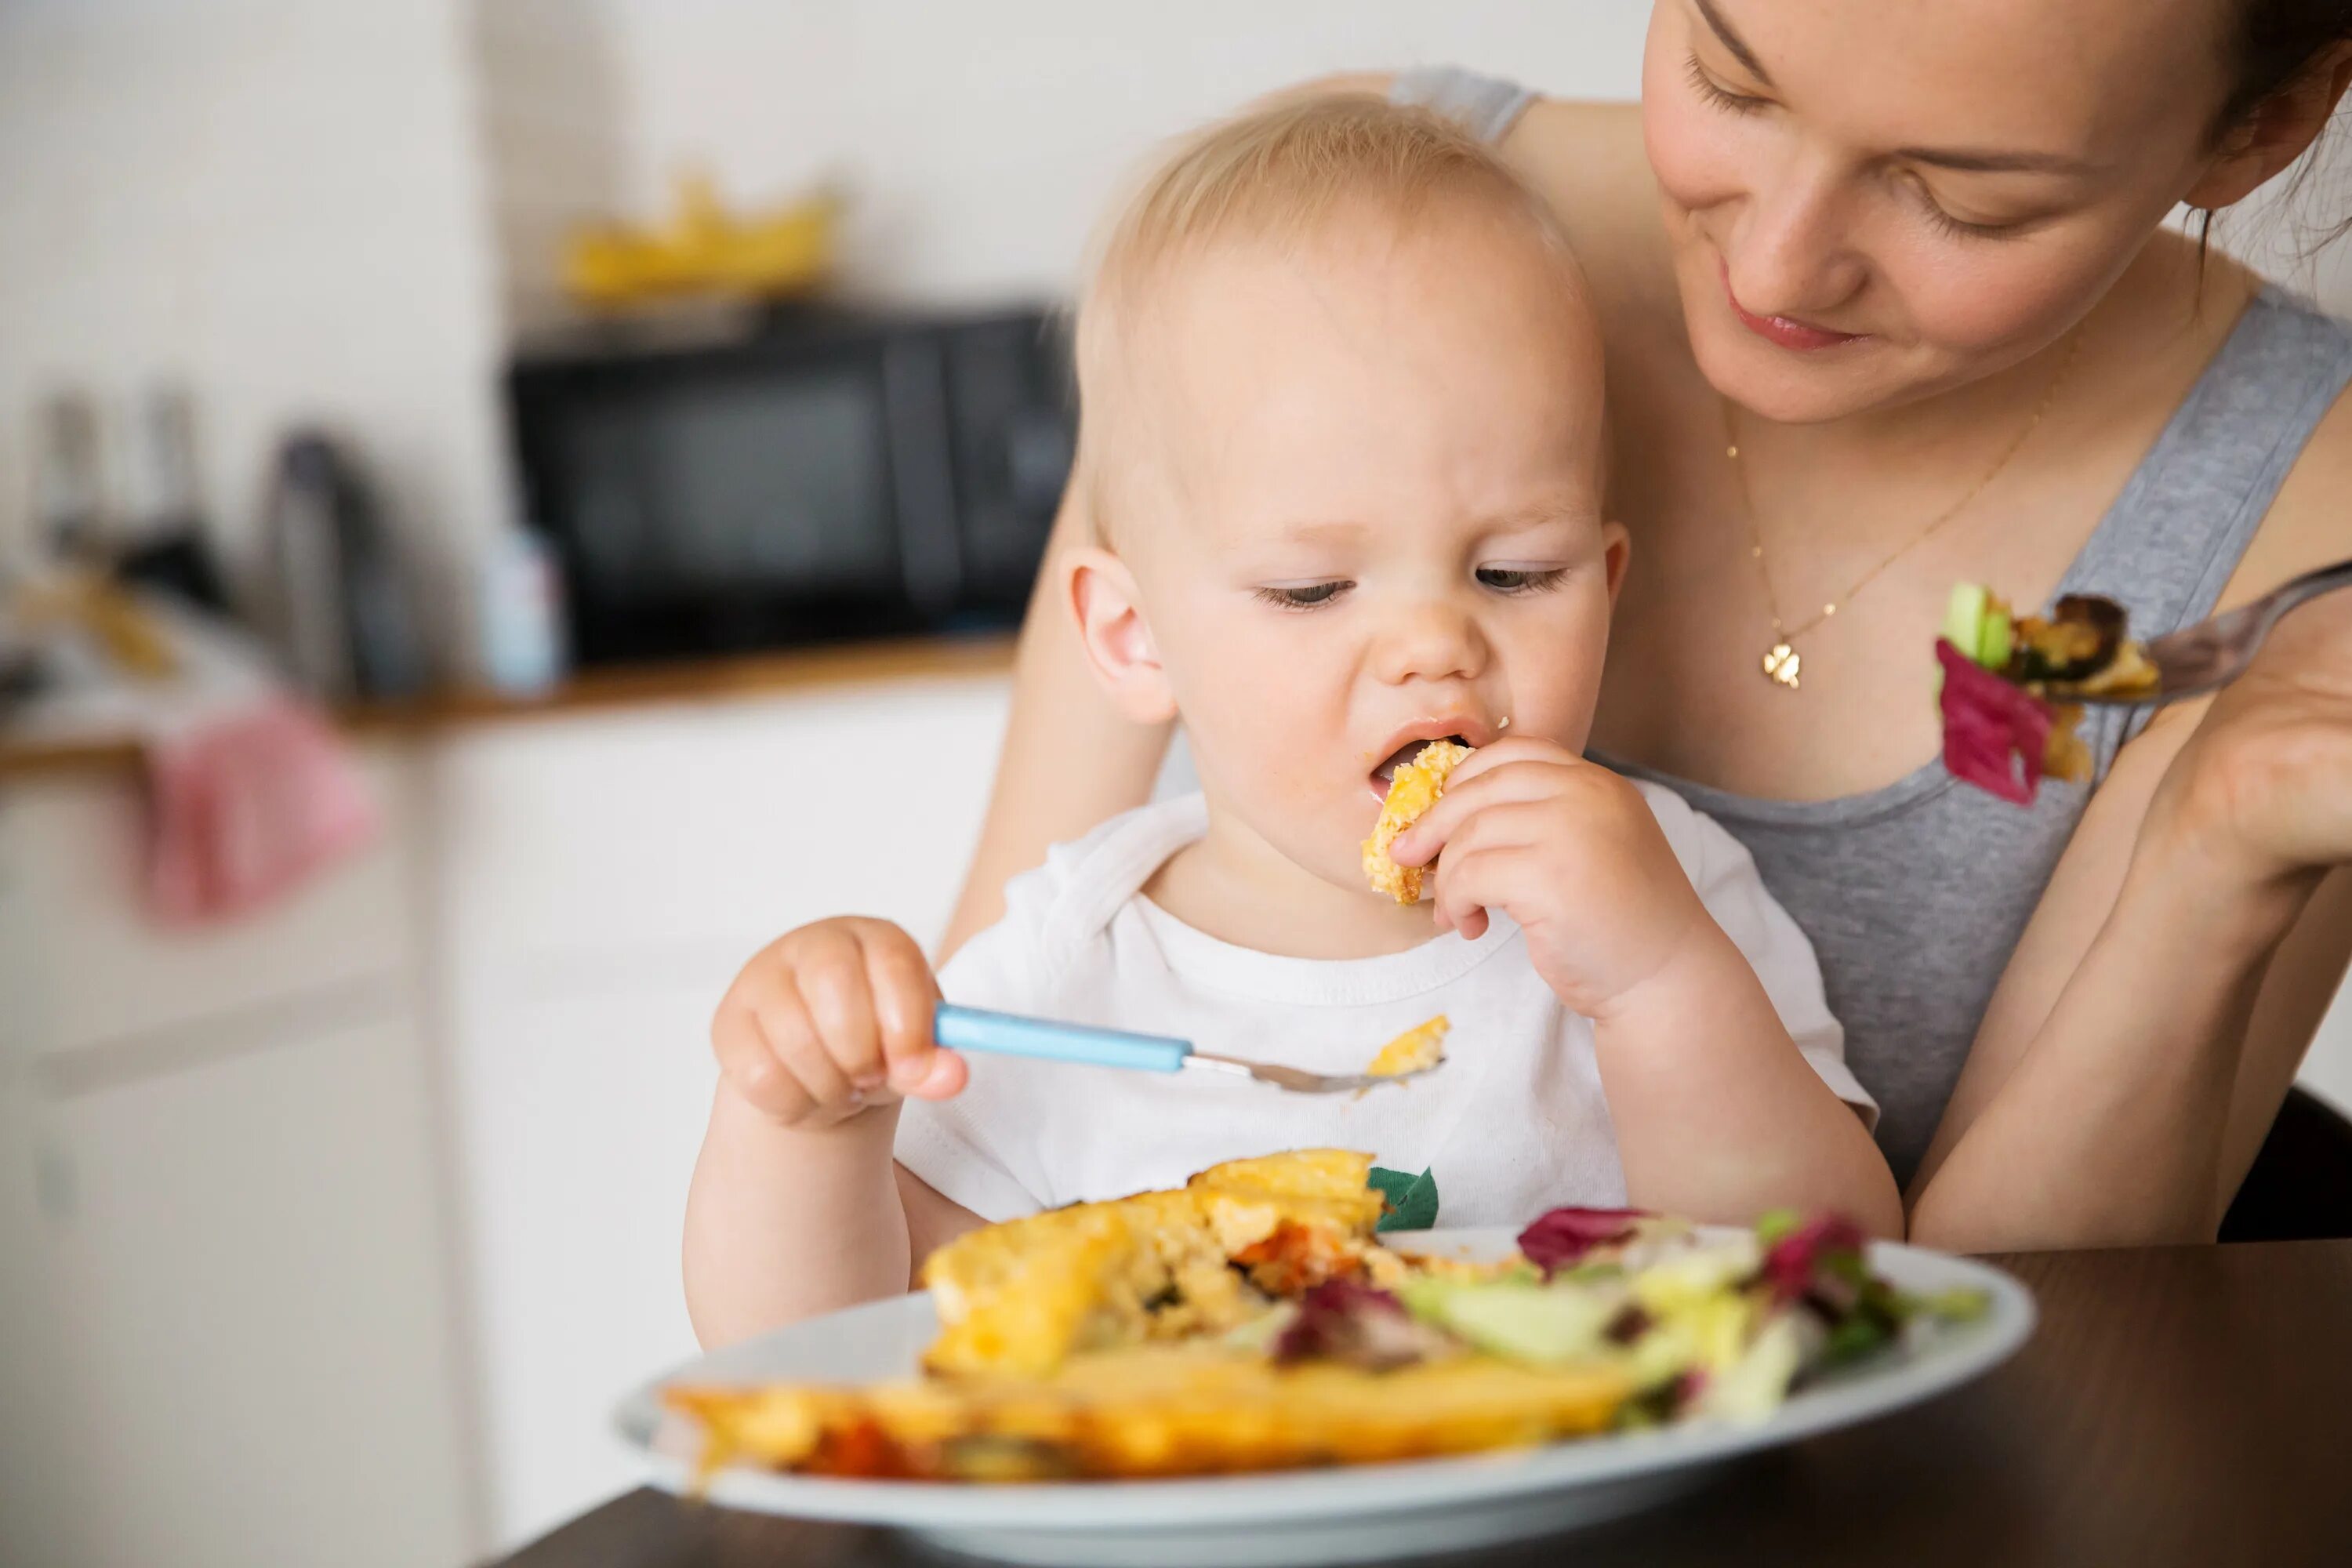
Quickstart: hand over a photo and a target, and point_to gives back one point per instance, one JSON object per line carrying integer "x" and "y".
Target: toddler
{"x": 1342, "y": 445}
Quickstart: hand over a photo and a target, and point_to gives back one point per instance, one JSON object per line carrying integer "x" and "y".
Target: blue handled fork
{"x": 1009, "y": 1034}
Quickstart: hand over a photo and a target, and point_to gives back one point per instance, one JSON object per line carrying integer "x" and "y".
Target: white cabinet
{"x": 602, "y": 877}
{"x": 228, "y": 1320}
{"x": 250, "y": 1341}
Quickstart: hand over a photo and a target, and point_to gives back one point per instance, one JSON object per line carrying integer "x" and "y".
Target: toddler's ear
{"x": 1101, "y": 593}
{"x": 1617, "y": 548}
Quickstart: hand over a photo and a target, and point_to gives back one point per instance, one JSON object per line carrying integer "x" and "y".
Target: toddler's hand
{"x": 1572, "y": 853}
{"x": 830, "y": 1020}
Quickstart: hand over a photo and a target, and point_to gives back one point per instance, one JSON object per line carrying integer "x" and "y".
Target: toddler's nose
{"x": 1429, "y": 641}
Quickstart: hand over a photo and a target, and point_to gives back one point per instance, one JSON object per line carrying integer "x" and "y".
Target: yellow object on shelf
{"x": 704, "y": 249}
{"x": 128, "y": 633}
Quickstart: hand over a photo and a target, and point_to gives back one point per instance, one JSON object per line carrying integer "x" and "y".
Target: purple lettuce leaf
{"x": 1563, "y": 1236}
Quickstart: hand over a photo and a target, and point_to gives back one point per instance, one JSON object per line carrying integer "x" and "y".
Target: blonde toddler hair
{"x": 1280, "y": 175}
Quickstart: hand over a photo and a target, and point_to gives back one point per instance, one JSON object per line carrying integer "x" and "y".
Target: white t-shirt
{"x": 1512, "y": 1124}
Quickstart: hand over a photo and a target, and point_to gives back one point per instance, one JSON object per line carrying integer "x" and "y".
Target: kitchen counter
{"x": 684, "y": 681}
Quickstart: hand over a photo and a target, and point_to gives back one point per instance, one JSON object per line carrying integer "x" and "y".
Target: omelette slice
{"x": 1414, "y": 788}
{"x": 1021, "y": 1296}
{"x": 1155, "y": 1411}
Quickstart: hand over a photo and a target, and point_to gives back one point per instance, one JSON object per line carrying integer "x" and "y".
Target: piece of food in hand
{"x": 1418, "y": 1049}
{"x": 1412, "y": 790}
{"x": 2004, "y": 681}
{"x": 1626, "y": 1319}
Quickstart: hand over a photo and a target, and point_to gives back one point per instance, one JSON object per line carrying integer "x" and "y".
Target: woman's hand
{"x": 1572, "y": 853}
{"x": 2263, "y": 788}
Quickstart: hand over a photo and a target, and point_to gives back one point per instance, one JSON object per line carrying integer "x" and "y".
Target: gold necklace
{"x": 1782, "y": 663}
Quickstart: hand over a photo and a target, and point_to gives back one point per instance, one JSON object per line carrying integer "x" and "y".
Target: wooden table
{"x": 2187, "y": 1406}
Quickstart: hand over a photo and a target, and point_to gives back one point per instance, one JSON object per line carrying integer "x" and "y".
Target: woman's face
{"x": 1871, "y": 201}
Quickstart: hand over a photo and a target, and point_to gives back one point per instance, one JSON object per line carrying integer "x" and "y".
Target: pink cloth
{"x": 247, "y": 805}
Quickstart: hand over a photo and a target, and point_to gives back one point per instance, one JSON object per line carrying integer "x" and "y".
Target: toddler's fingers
{"x": 944, "y": 1075}
{"x": 1513, "y": 780}
{"x": 1472, "y": 882}
{"x": 752, "y": 1069}
{"x": 840, "y": 1002}
{"x": 905, "y": 995}
{"x": 794, "y": 1038}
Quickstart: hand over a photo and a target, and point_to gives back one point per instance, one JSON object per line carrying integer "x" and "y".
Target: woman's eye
{"x": 1716, "y": 93}
{"x": 1944, "y": 223}
{"x": 1305, "y": 597}
{"x": 1520, "y": 579}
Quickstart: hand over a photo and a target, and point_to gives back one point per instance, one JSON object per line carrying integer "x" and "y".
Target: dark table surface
{"x": 2187, "y": 1406}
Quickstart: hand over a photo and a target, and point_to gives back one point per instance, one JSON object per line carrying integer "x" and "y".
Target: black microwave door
{"x": 1010, "y": 391}
{"x": 712, "y": 505}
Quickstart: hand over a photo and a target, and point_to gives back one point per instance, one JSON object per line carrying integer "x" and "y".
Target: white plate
{"x": 1350, "y": 1515}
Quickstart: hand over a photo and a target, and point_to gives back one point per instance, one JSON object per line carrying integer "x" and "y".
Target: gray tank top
{"x": 1914, "y": 894}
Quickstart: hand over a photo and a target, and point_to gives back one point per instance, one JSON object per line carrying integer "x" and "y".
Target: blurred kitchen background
{"x": 629, "y": 426}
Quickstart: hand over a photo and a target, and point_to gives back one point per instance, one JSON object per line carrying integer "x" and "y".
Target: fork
{"x": 2212, "y": 653}
{"x": 1009, "y": 1034}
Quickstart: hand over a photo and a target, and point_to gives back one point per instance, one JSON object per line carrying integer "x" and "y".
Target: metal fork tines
{"x": 1297, "y": 1080}
{"x": 2212, "y": 653}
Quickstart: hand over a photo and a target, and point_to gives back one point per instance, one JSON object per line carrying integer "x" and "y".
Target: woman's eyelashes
{"x": 1713, "y": 92}
{"x": 1944, "y": 223}
{"x": 1716, "y": 93}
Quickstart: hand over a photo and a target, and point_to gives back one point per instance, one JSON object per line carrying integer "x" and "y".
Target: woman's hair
{"x": 2270, "y": 43}
{"x": 2273, "y": 42}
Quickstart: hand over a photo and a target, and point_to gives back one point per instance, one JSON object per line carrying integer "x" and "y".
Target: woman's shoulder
{"x": 2305, "y": 526}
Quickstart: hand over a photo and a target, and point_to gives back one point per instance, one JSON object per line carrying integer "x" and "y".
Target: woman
{"x": 1891, "y": 307}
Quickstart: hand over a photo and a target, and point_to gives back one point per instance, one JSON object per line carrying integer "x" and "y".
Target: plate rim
{"x": 1363, "y": 1492}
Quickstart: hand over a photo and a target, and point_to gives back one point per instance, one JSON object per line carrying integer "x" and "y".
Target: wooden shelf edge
{"x": 686, "y": 682}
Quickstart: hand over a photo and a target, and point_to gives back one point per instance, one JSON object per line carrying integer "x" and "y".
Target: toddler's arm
{"x": 796, "y": 1207}
{"x": 1718, "y": 1115}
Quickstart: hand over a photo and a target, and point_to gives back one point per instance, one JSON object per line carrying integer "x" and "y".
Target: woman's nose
{"x": 1791, "y": 253}
{"x": 1432, "y": 640}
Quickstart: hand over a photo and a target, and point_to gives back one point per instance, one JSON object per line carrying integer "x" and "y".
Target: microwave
{"x": 828, "y": 476}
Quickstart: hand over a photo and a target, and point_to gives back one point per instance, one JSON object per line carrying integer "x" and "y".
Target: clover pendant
{"x": 1782, "y": 665}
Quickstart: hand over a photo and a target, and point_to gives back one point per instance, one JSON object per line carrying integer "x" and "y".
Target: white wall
{"x": 277, "y": 202}
{"x": 984, "y": 139}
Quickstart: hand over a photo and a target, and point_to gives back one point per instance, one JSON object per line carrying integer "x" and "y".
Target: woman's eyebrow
{"x": 1967, "y": 160}
{"x": 1962, "y": 160}
{"x": 1730, "y": 40}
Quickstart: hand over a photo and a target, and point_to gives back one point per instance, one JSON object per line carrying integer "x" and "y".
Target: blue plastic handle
{"x": 1008, "y": 1034}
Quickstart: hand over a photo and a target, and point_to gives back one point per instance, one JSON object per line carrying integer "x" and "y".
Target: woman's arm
{"x": 2161, "y": 1000}
{"x": 1070, "y": 760}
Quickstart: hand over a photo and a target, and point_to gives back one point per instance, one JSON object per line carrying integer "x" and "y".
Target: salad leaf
{"x": 1820, "y": 1258}
{"x": 1345, "y": 1320}
{"x": 1562, "y": 1235}
{"x": 1519, "y": 1320}
{"x": 1995, "y": 734}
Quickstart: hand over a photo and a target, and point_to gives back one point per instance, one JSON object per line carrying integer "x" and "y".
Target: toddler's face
{"x": 1361, "y": 492}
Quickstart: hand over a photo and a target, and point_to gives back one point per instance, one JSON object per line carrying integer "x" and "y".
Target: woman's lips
{"x": 1785, "y": 331}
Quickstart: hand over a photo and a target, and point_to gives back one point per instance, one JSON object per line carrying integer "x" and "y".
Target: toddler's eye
{"x": 1521, "y": 579}
{"x": 1307, "y": 596}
